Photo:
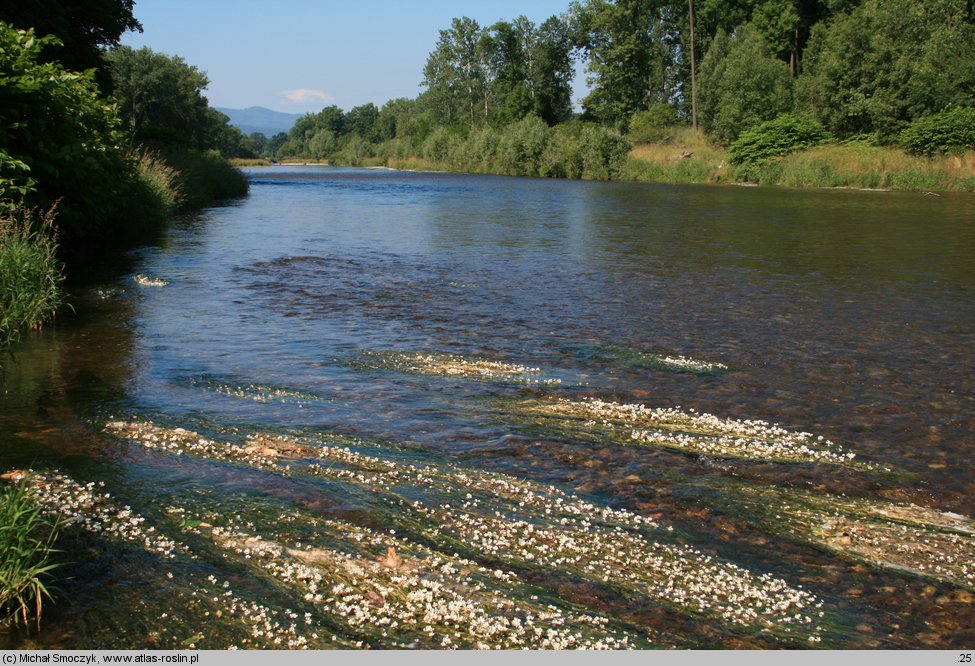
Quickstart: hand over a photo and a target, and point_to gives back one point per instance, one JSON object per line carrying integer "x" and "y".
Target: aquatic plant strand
{"x": 524, "y": 525}
{"x": 452, "y": 365}
{"x": 699, "y": 433}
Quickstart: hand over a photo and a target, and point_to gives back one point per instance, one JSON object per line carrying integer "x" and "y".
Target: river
{"x": 386, "y": 409}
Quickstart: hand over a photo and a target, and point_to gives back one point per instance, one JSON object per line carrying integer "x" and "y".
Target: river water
{"x": 396, "y": 371}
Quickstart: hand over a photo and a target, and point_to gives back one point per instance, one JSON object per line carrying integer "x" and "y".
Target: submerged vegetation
{"x": 691, "y": 432}
{"x": 637, "y": 358}
{"x": 901, "y": 537}
{"x": 452, "y": 365}
{"x": 492, "y": 520}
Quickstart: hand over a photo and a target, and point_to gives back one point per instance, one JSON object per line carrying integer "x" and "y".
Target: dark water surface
{"x": 846, "y": 314}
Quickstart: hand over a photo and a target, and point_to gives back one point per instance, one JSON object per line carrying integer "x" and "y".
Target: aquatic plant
{"x": 27, "y": 540}
{"x": 87, "y": 507}
{"x": 30, "y": 273}
{"x": 263, "y": 393}
{"x": 638, "y": 358}
{"x": 906, "y": 538}
{"x": 452, "y": 365}
{"x": 496, "y": 520}
{"x": 414, "y": 597}
{"x": 149, "y": 281}
{"x": 690, "y": 431}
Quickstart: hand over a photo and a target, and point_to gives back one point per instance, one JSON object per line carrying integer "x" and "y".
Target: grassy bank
{"x": 204, "y": 177}
{"x": 238, "y": 162}
{"x": 683, "y": 157}
{"x": 686, "y": 157}
{"x": 870, "y": 167}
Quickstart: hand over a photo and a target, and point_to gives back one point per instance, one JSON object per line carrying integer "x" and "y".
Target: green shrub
{"x": 354, "y": 150}
{"x": 398, "y": 148}
{"x": 774, "y": 138}
{"x": 654, "y": 124}
{"x": 436, "y": 147}
{"x": 741, "y": 84}
{"x": 951, "y": 131}
{"x": 603, "y": 152}
{"x": 30, "y": 273}
{"x": 161, "y": 180}
{"x": 480, "y": 151}
{"x": 521, "y": 147}
{"x": 562, "y": 157}
{"x": 26, "y": 546}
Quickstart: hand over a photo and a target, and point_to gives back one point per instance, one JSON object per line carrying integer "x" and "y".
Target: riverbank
{"x": 34, "y": 260}
{"x": 688, "y": 158}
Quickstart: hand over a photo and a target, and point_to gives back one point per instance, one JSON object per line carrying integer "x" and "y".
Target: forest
{"x": 754, "y": 79}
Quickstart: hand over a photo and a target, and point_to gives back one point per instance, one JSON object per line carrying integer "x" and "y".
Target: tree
{"x": 258, "y": 142}
{"x": 455, "y": 73}
{"x": 778, "y": 22}
{"x": 83, "y": 28}
{"x": 363, "y": 121}
{"x": 886, "y": 62}
{"x": 507, "y": 52}
{"x": 625, "y": 54}
{"x": 161, "y": 101}
{"x": 742, "y": 85}
{"x": 690, "y": 14}
{"x": 552, "y": 71}
{"x": 159, "y": 96}
{"x": 274, "y": 144}
{"x": 60, "y": 141}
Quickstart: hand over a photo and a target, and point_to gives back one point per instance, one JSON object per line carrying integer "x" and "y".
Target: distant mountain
{"x": 259, "y": 119}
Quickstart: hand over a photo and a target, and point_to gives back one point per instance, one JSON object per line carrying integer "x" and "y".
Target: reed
{"x": 205, "y": 177}
{"x": 26, "y": 546}
{"x": 30, "y": 272}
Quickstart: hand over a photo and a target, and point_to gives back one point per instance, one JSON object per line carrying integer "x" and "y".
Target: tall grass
{"x": 26, "y": 547}
{"x": 249, "y": 162}
{"x": 162, "y": 181}
{"x": 683, "y": 156}
{"x": 865, "y": 166}
{"x": 686, "y": 157}
{"x": 205, "y": 177}
{"x": 30, "y": 272}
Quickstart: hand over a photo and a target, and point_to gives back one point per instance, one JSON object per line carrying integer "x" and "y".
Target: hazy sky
{"x": 301, "y": 55}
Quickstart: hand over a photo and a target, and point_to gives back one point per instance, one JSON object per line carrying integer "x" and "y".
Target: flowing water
{"x": 376, "y": 408}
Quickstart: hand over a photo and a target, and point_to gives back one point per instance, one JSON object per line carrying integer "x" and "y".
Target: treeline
{"x": 878, "y": 72}
{"x": 99, "y": 145}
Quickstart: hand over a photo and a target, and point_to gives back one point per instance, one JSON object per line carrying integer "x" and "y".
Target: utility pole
{"x": 693, "y": 72}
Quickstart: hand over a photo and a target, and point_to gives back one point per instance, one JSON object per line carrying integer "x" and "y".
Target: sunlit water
{"x": 431, "y": 320}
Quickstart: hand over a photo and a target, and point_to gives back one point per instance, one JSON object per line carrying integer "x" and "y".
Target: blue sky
{"x": 301, "y": 55}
